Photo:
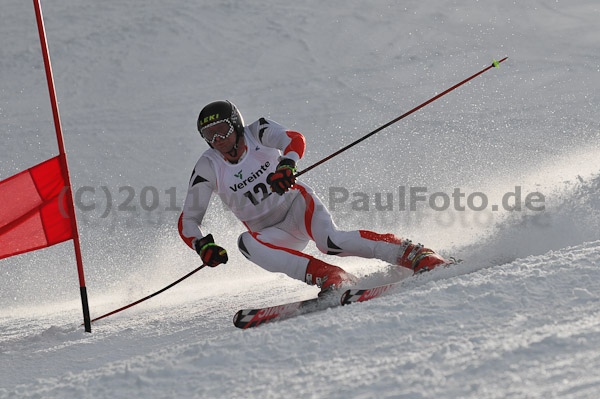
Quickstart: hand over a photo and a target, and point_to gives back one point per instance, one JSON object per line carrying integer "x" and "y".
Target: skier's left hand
{"x": 283, "y": 179}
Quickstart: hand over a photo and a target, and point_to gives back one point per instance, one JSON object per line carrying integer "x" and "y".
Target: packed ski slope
{"x": 520, "y": 317}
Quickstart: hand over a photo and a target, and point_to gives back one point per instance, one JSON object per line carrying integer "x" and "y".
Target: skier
{"x": 252, "y": 169}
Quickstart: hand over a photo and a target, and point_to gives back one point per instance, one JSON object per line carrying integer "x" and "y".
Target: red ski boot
{"x": 418, "y": 258}
{"x": 326, "y": 276}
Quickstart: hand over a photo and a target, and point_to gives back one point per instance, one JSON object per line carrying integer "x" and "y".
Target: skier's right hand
{"x": 212, "y": 254}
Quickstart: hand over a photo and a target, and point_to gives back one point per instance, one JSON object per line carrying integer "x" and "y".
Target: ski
{"x": 248, "y": 318}
{"x": 364, "y": 294}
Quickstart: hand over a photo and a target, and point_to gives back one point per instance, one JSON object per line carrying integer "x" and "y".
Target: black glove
{"x": 283, "y": 178}
{"x": 212, "y": 255}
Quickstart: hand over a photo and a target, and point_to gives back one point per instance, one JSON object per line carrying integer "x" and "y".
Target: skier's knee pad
{"x": 333, "y": 243}
{"x": 243, "y": 241}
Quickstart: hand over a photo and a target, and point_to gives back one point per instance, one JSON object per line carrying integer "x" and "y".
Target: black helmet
{"x": 221, "y": 111}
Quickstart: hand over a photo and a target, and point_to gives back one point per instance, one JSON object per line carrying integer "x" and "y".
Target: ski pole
{"x": 494, "y": 64}
{"x": 149, "y": 296}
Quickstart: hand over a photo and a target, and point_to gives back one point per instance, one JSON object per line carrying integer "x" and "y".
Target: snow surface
{"x": 519, "y": 318}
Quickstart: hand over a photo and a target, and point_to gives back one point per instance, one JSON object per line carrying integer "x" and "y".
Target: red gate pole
{"x": 64, "y": 165}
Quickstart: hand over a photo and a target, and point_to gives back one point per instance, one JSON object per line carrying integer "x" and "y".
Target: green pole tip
{"x": 496, "y": 64}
